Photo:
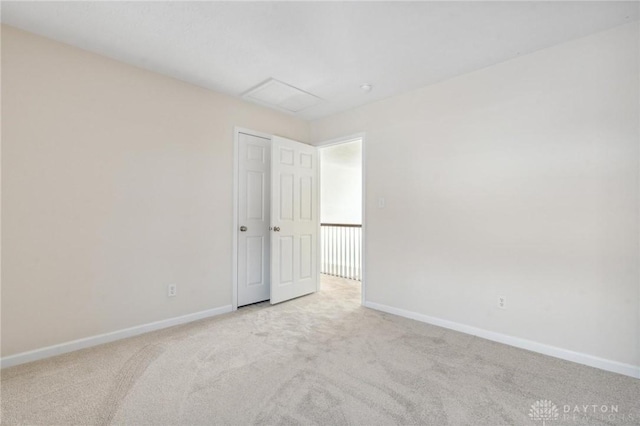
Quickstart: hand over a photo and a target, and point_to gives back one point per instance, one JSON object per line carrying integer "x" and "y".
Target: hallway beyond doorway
{"x": 341, "y": 208}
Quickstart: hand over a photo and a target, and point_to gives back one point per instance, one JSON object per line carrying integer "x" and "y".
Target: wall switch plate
{"x": 381, "y": 203}
{"x": 502, "y": 302}
{"x": 171, "y": 290}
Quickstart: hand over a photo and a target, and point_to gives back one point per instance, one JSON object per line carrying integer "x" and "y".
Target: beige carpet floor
{"x": 321, "y": 359}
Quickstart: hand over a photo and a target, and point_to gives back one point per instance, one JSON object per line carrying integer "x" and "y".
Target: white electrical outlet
{"x": 171, "y": 290}
{"x": 502, "y": 302}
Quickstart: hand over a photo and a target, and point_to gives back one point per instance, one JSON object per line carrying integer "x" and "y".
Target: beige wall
{"x": 115, "y": 183}
{"x": 518, "y": 180}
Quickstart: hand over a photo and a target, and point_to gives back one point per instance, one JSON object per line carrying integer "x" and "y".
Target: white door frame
{"x": 338, "y": 141}
{"x": 236, "y": 168}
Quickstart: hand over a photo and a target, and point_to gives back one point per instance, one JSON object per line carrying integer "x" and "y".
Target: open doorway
{"x": 341, "y": 213}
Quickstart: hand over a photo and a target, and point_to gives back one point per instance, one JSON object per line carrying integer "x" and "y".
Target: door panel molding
{"x": 294, "y": 219}
{"x": 305, "y": 161}
{"x": 253, "y": 154}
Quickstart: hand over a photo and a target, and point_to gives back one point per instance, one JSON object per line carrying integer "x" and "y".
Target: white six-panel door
{"x": 254, "y": 164}
{"x": 294, "y": 219}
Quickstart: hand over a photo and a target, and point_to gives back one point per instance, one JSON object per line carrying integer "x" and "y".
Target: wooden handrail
{"x": 343, "y": 225}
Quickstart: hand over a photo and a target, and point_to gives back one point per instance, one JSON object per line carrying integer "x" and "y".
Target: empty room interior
{"x": 320, "y": 213}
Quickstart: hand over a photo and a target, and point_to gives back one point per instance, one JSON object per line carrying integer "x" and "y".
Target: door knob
{"x": 243, "y": 228}
{"x": 277, "y": 229}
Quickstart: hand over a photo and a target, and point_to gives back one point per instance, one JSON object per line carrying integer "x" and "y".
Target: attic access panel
{"x": 282, "y": 96}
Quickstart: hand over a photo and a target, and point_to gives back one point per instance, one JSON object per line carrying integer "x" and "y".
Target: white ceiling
{"x": 325, "y": 48}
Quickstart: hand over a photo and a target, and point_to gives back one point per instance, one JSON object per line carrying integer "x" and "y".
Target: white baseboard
{"x": 577, "y": 357}
{"x": 100, "y": 339}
